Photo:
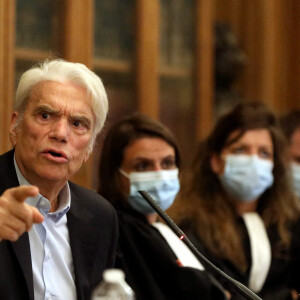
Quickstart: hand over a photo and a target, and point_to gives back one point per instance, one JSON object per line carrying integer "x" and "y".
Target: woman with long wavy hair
{"x": 237, "y": 205}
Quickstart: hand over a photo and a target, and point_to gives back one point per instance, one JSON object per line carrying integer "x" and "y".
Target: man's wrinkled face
{"x": 53, "y": 137}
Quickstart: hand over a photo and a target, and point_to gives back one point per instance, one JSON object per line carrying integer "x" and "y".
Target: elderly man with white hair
{"x": 56, "y": 237}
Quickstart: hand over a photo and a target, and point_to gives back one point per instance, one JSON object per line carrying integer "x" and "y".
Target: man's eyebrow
{"x": 46, "y": 108}
{"x": 81, "y": 118}
{"x": 49, "y": 109}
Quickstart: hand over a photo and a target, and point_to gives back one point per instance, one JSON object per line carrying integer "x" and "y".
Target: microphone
{"x": 236, "y": 284}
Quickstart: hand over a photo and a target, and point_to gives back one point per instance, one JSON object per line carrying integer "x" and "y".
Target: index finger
{"x": 22, "y": 192}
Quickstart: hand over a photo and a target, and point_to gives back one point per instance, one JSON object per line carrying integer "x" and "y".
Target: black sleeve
{"x": 152, "y": 269}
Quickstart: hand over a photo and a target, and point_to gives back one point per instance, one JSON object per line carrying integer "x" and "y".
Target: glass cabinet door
{"x": 114, "y": 32}
{"x": 177, "y": 35}
{"x": 38, "y": 32}
{"x": 114, "y": 53}
{"x": 113, "y": 60}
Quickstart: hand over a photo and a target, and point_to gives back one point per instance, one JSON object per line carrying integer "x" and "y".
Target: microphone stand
{"x": 238, "y": 285}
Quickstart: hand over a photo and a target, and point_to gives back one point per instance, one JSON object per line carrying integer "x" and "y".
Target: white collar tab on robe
{"x": 183, "y": 253}
{"x": 260, "y": 250}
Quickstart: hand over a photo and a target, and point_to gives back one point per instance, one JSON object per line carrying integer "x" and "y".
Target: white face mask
{"x": 162, "y": 186}
{"x": 295, "y": 168}
{"x": 246, "y": 177}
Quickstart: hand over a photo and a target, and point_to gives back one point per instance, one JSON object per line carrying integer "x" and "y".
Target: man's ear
{"x": 13, "y": 128}
{"x": 216, "y": 164}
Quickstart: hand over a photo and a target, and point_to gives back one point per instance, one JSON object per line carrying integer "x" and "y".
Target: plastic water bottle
{"x": 113, "y": 287}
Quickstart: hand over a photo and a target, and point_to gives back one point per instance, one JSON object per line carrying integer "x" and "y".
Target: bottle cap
{"x": 113, "y": 275}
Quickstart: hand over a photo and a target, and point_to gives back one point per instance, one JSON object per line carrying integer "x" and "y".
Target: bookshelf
{"x": 143, "y": 50}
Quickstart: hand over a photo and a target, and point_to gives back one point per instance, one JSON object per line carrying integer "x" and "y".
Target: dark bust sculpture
{"x": 230, "y": 61}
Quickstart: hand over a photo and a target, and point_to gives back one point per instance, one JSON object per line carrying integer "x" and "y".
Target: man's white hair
{"x": 59, "y": 70}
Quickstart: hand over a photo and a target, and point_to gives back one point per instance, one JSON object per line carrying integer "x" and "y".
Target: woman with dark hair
{"x": 140, "y": 153}
{"x": 237, "y": 206}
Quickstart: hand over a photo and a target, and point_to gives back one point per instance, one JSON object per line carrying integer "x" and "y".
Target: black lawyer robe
{"x": 151, "y": 267}
{"x": 284, "y": 272}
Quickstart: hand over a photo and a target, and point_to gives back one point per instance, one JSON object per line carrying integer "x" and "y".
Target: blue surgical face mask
{"x": 162, "y": 186}
{"x": 295, "y": 168}
{"x": 246, "y": 177}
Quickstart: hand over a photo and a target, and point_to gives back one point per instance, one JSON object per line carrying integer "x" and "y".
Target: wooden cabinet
{"x": 153, "y": 56}
{"x": 268, "y": 32}
{"x": 176, "y": 60}
{"x": 7, "y": 72}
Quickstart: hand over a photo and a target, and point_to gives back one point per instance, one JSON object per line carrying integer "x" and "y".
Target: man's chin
{"x": 54, "y": 176}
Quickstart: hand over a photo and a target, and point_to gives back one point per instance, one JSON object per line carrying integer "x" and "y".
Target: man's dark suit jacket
{"x": 92, "y": 225}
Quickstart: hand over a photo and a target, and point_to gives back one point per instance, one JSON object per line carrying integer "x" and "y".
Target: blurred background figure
{"x": 290, "y": 123}
{"x": 237, "y": 205}
{"x": 140, "y": 153}
{"x": 230, "y": 62}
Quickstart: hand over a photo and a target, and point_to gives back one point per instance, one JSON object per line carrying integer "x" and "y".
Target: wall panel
{"x": 7, "y": 33}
